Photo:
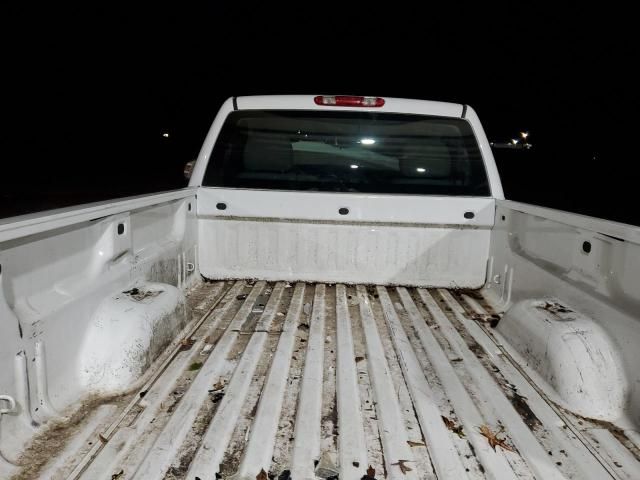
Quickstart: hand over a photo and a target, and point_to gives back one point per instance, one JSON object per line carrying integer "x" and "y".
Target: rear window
{"x": 333, "y": 151}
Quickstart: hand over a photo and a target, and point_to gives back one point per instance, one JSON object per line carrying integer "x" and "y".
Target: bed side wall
{"x": 592, "y": 268}
{"x": 65, "y": 319}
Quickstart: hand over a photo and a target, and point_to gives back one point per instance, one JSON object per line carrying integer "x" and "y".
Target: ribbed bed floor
{"x": 311, "y": 380}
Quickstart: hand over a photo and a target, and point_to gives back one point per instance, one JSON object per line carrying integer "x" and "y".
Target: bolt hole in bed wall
{"x": 120, "y": 228}
{"x": 586, "y": 247}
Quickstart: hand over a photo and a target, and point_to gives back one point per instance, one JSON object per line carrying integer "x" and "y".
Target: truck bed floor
{"x": 313, "y": 380}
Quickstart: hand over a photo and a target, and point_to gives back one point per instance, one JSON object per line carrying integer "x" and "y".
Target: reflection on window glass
{"x": 347, "y": 152}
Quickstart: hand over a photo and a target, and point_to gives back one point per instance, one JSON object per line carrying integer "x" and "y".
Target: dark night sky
{"x": 91, "y": 90}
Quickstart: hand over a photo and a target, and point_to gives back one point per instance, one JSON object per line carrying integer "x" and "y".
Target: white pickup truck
{"x": 342, "y": 292}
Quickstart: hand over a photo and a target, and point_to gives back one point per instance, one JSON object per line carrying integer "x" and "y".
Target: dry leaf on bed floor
{"x": 415, "y": 444}
{"x": 186, "y": 344}
{"x": 118, "y": 475}
{"x": 219, "y": 385}
{"x": 494, "y": 440}
{"x": 451, "y": 425}
{"x": 262, "y": 475}
{"x": 403, "y": 468}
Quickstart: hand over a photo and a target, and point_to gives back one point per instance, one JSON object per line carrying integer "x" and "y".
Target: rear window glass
{"x": 332, "y": 151}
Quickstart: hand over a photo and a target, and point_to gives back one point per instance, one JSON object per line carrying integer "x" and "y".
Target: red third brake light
{"x": 348, "y": 101}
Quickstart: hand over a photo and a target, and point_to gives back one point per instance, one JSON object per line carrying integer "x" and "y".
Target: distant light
{"x": 354, "y": 166}
{"x": 514, "y": 141}
{"x": 165, "y": 135}
{"x": 367, "y": 141}
{"x": 421, "y": 170}
{"x": 524, "y": 135}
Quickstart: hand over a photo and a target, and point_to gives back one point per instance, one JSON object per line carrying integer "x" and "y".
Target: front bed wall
{"x": 272, "y": 250}
{"x": 344, "y": 237}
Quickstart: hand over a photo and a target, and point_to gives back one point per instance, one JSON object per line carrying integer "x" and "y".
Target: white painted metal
{"x": 7, "y": 469}
{"x": 128, "y": 444}
{"x": 621, "y": 461}
{"x": 53, "y": 282}
{"x": 597, "y": 225}
{"x": 634, "y": 437}
{"x": 14, "y": 429}
{"x": 45, "y": 409}
{"x": 218, "y": 434}
{"x": 494, "y": 462}
{"x": 259, "y": 450}
{"x": 414, "y": 240}
{"x": 207, "y": 147}
{"x": 306, "y": 445}
{"x": 487, "y": 154}
{"x": 63, "y": 463}
{"x": 33, "y": 223}
{"x": 165, "y": 448}
{"x": 542, "y": 250}
{"x": 392, "y": 105}
{"x": 60, "y": 272}
{"x": 117, "y": 454}
{"x": 351, "y": 442}
{"x": 120, "y": 335}
{"x": 572, "y": 354}
{"x": 435, "y": 256}
{"x": 585, "y": 460}
{"x": 446, "y": 461}
{"x": 18, "y": 427}
{"x": 522, "y": 437}
{"x": 57, "y": 268}
{"x": 393, "y": 433}
{"x": 324, "y": 206}
{"x": 11, "y": 404}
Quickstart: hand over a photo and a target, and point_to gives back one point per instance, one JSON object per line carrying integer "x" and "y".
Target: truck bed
{"x": 279, "y": 380}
